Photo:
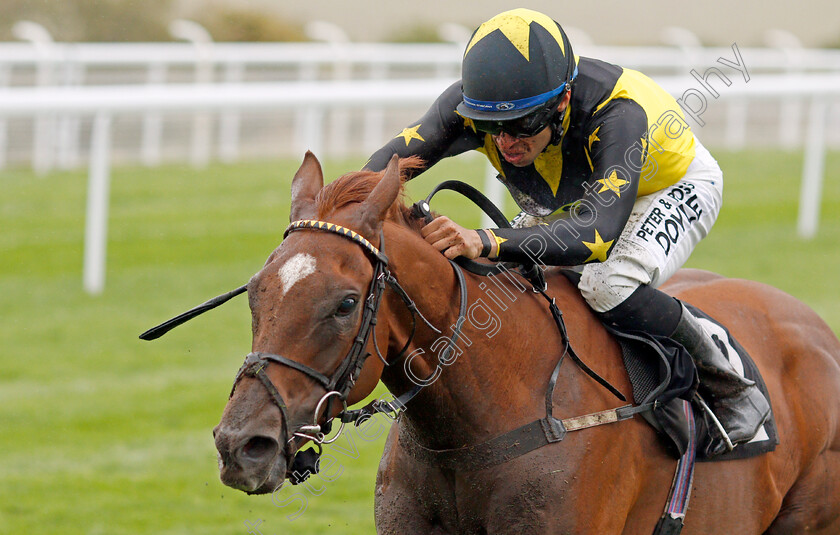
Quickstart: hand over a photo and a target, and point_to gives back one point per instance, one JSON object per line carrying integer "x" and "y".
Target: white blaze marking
{"x": 298, "y": 267}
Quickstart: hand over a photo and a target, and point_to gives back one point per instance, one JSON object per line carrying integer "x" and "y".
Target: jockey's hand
{"x": 452, "y": 239}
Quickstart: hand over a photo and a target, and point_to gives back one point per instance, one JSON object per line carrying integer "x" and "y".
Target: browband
{"x": 338, "y": 229}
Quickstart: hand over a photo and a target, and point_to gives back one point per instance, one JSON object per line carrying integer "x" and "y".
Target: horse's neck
{"x": 509, "y": 347}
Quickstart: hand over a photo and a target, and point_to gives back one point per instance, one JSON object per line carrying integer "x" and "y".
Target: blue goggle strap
{"x": 508, "y": 105}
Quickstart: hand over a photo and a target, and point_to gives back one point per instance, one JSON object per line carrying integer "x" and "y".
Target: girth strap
{"x": 514, "y": 443}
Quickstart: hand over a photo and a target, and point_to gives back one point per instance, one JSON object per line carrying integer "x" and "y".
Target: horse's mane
{"x": 355, "y": 187}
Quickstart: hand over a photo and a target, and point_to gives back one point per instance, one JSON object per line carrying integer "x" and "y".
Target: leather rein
{"x": 343, "y": 379}
{"x": 339, "y": 384}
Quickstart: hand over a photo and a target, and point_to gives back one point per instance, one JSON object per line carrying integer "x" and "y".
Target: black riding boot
{"x": 737, "y": 402}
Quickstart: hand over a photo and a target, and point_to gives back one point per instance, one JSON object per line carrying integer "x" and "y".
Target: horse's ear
{"x": 383, "y": 195}
{"x": 308, "y": 181}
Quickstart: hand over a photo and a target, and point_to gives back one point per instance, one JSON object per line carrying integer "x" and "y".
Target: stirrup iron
{"x": 729, "y": 445}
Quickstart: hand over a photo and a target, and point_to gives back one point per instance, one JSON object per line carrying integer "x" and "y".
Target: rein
{"x": 343, "y": 379}
{"x": 338, "y": 385}
{"x": 530, "y": 436}
{"x": 532, "y": 272}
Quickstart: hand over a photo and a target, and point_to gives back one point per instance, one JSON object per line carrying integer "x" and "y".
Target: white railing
{"x": 105, "y": 102}
{"x": 55, "y": 140}
{"x": 444, "y": 55}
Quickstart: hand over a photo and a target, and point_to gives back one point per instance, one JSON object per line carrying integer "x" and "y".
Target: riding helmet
{"x": 514, "y": 64}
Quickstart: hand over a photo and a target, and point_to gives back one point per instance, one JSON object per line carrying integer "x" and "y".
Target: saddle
{"x": 661, "y": 371}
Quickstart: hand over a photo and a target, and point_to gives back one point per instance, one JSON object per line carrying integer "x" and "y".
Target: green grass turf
{"x": 103, "y": 433}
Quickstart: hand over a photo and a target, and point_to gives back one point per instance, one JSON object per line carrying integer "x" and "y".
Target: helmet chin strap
{"x": 556, "y": 123}
{"x": 556, "y": 126}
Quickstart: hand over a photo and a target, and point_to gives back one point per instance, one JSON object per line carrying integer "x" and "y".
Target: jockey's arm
{"x": 438, "y": 134}
{"x": 613, "y": 139}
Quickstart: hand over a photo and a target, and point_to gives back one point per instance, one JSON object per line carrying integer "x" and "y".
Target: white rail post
{"x": 340, "y": 123}
{"x": 313, "y": 133}
{"x": 790, "y": 111}
{"x": 459, "y": 35}
{"x": 688, "y": 43}
{"x": 194, "y": 33}
{"x": 374, "y": 116}
{"x": 5, "y": 78}
{"x": 452, "y": 32}
{"x": 305, "y": 117}
{"x": 152, "y": 134}
{"x": 229, "y": 120}
{"x": 736, "y": 123}
{"x": 336, "y": 38}
{"x": 495, "y": 191}
{"x": 45, "y": 124}
{"x": 96, "y": 223}
{"x": 69, "y": 125}
{"x": 812, "y": 170}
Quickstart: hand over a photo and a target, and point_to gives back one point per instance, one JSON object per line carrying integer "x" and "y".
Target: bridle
{"x": 339, "y": 385}
{"x": 343, "y": 379}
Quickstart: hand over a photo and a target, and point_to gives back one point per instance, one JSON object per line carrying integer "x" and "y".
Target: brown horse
{"x": 613, "y": 479}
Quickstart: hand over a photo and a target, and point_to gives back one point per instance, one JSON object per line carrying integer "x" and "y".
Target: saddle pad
{"x": 768, "y": 436}
{"x": 662, "y": 370}
{"x": 650, "y": 364}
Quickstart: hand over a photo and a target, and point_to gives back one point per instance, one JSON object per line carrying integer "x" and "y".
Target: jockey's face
{"x": 522, "y": 151}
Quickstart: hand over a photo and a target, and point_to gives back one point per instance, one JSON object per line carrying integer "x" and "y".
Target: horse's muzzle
{"x": 248, "y": 461}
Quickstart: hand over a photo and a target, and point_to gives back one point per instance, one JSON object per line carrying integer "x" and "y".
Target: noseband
{"x": 342, "y": 380}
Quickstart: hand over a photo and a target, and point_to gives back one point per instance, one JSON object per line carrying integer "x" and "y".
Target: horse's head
{"x": 307, "y": 305}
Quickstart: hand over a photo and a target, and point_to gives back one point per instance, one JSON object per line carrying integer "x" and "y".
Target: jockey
{"x": 608, "y": 176}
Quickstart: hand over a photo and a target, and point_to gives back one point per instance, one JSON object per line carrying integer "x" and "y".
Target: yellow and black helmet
{"x": 514, "y": 64}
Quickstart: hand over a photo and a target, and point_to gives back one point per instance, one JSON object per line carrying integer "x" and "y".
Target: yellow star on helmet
{"x": 612, "y": 183}
{"x": 516, "y": 26}
{"x": 599, "y": 248}
{"x": 410, "y": 133}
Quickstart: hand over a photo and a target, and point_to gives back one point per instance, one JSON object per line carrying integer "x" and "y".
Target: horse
{"x": 308, "y": 303}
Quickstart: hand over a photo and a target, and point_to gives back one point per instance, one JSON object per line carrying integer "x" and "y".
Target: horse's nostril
{"x": 258, "y": 448}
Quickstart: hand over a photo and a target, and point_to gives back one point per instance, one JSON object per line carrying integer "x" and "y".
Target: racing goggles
{"x": 527, "y": 126}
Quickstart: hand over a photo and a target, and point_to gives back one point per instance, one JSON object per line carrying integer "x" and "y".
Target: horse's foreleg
{"x": 408, "y": 499}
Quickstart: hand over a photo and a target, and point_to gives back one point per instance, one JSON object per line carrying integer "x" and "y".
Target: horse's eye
{"x": 346, "y": 306}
